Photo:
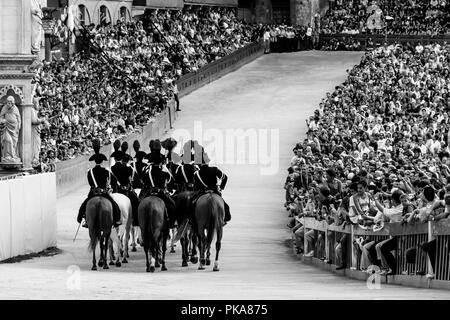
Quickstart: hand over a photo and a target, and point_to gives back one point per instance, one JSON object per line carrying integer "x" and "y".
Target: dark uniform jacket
{"x": 154, "y": 176}
{"x": 139, "y": 167}
{"x": 206, "y": 178}
{"x": 123, "y": 174}
{"x": 100, "y": 177}
{"x": 185, "y": 173}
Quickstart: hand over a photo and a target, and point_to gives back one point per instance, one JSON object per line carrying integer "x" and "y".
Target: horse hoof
{"x": 133, "y": 249}
{"x": 118, "y": 264}
{"x": 172, "y": 250}
{"x": 201, "y": 267}
{"x": 157, "y": 265}
{"x": 111, "y": 263}
{"x": 147, "y": 269}
{"x": 121, "y": 253}
{"x": 216, "y": 269}
{"x": 100, "y": 264}
{"x": 163, "y": 268}
{"x": 202, "y": 261}
{"x": 94, "y": 268}
{"x": 152, "y": 269}
{"x": 105, "y": 266}
{"x": 194, "y": 260}
{"x": 128, "y": 255}
{"x": 184, "y": 264}
{"x": 124, "y": 260}
{"x": 208, "y": 262}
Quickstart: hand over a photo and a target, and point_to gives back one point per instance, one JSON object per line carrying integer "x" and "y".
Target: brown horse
{"x": 99, "y": 218}
{"x": 152, "y": 215}
{"x": 182, "y": 203}
{"x": 209, "y": 214}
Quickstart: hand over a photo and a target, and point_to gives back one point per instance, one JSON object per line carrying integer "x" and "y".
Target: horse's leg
{"x": 189, "y": 246}
{"x": 194, "y": 243}
{"x": 100, "y": 261}
{"x": 164, "y": 248}
{"x": 119, "y": 248}
{"x": 153, "y": 253}
{"x": 133, "y": 238}
{"x": 125, "y": 244}
{"x": 172, "y": 238}
{"x": 208, "y": 254}
{"x": 146, "y": 249}
{"x": 111, "y": 252}
{"x": 183, "y": 242}
{"x": 158, "y": 254}
{"x": 139, "y": 237}
{"x": 127, "y": 240}
{"x": 122, "y": 241}
{"x": 94, "y": 261}
{"x": 201, "y": 246}
{"x": 218, "y": 246}
{"x": 106, "y": 239}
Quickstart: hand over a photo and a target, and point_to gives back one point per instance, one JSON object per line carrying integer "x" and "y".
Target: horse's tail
{"x": 95, "y": 233}
{"x": 101, "y": 222}
{"x": 155, "y": 231}
{"x": 213, "y": 217}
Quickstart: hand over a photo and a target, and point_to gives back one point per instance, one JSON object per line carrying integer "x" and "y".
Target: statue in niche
{"x": 10, "y": 123}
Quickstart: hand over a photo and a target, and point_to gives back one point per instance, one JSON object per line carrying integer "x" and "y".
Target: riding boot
{"x": 191, "y": 209}
{"x": 227, "y": 212}
{"x": 116, "y": 211}
{"x": 82, "y": 211}
{"x": 170, "y": 205}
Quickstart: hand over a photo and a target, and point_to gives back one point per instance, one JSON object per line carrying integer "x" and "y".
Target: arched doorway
{"x": 104, "y": 16}
{"x": 124, "y": 14}
{"x": 84, "y": 17}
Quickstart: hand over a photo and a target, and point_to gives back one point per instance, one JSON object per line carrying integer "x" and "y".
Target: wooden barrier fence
{"x": 409, "y": 238}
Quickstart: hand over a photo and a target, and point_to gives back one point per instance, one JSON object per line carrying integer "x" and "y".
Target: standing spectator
{"x": 309, "y": 34}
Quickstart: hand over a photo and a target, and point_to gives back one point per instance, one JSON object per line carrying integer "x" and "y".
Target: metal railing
{"x": 410, "y": 257}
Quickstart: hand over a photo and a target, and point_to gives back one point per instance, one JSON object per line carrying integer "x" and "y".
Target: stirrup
{"x": 85, "y": 225}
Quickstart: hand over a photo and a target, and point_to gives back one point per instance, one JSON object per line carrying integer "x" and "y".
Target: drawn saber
{"x": 77, "y": 232}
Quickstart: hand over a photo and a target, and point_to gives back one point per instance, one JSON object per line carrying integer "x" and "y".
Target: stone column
{"x": 15, "y": 71}
{"x": 15, "y": 26}
{"x": 27, "y": 145}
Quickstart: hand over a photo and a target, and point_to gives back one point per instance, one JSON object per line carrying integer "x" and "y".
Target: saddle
{"x": 201, "y": 193}
{"x": 98, "y": 192}
{"x": 156, "y": 192}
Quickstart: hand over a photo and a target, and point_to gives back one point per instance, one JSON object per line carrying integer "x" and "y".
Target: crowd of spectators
{"x": 128, "y": 75}
{"x": 342, "y": 44}
{"x": 413, "y": 17}
{"x": 377, "y": 150}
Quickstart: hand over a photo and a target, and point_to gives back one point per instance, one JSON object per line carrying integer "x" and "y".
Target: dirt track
{"x": 276, "y": 91}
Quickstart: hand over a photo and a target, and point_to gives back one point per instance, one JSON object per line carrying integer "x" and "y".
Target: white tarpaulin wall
{"x": 28, "y": 215}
